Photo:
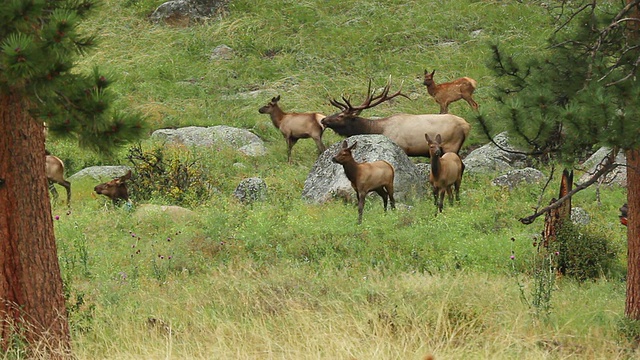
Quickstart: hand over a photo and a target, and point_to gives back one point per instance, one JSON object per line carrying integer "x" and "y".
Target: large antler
{"x": 367, "y": 104}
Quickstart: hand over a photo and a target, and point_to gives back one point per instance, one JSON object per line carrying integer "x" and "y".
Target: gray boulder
{"x": 185, "y": 12}
{"x": 100, "y": 173}
{"x": 241, "y": 139}
{"x": 251, "y": 190}
{"x": 491, "y": 158}
{"x": 514, "y": 178}
{"x": 327, "y": 180}
{"x": 617, "y": 177}
{"x": 222, "y": 52}
{"x": 579, "y": 216}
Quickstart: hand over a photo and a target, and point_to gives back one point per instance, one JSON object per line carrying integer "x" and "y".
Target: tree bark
{"x": 32, "y": 303}
{"x": 632, "y": 305}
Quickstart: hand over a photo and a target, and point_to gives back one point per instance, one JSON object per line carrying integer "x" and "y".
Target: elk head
{"x": 344, "y": 155}
{"x": 428, "y": 77}
{"x": 348, "y": 112}
{"x": 269, "y": 107}
{"x": 115, "y": 189}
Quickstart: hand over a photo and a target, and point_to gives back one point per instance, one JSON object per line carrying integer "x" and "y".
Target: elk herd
{"x": 436, "y": 136}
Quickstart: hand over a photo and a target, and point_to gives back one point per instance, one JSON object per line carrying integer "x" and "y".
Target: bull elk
{"x": 406, "y": 130}
{"x": 366, "y": 177}
{"x": 54, "y": 170}
{"x": 446, "y": 172}
{"x": 295, "y": 126}
{"x": 448, "y": 92}
{"x": 115, "y": 189}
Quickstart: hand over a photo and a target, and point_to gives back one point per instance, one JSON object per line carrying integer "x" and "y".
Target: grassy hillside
{"x": 283, "y": 279}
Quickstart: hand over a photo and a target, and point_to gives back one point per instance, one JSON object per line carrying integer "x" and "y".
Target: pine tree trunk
{"x": 632, "y": 306}
{"x": 31, "y": 294}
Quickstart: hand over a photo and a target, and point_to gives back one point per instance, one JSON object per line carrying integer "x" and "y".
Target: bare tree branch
{"x": 605, "y": 167}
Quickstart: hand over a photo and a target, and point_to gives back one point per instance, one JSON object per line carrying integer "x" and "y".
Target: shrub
{"x": 174, "y": 176}
{"x": 582, "y": 255}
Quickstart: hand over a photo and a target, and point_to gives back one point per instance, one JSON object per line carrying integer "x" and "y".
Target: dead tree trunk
{"x": 554, "y": 218}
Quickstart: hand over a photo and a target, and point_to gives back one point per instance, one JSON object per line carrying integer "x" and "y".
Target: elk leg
{"x": 290, "y": 143}
{"x": 320, "y": 145}
{"x": 472, "y": 103}
{"x": 435, "y": 195}
{"x": 361, "y": 197}
{"x": 444, "y": 108}
{"x": 457, "y": 186}
{"x": 441, "y": 201}
{"x": 384, "y": 195}
{"x": 53, "y": 190}
{"x": 391, "y": 199}
{"x": 67, "y": 186}
{"x": 450, "y": 194}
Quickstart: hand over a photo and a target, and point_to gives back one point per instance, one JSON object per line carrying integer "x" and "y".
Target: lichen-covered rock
{"x": 251, "y": 190}
{"x": 617, "y": 177}
{"x": 100, "y": 173}
{"x": 327, "y": 180}
{"x": 186, "y": 12}
{"x": 243, "y": 140}
{"x": 515, "y": 177}
{"x": 491, "y": 158}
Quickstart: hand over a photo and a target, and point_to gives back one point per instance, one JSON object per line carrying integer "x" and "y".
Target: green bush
{"x": 583, "y": 254}
{"x": 160, "y": 173}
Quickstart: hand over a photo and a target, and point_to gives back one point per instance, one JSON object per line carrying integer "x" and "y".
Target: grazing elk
{"x": 624, "y": 210}
{"x": 115, "y": 189}
{"x": 366, "y": 177}
{"x": 295, "y": 126}
{"x": 446, "y": 171}
{"x": 446, "y": 93}
{"x": 54, "y": 170}
{"x": 406, "y": 130}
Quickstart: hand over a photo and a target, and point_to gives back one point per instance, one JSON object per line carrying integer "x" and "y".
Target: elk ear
{"x": 426, "y": 71}
{"x": 438, "y": 139}
{"x": 345, "y": 144}
{"x": 353, "y": 146}
{"x": 126, "y": 176}
{"x": 426, "y": 136}
{"x": 433, "y": 72}
{"x": 276, "y": 99}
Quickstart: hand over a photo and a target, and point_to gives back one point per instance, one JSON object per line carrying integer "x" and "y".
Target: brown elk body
{"x": 367, "y": 177}
{"x": 406, "y": 130}
{"x": 54, "y": 170}
{"x": 115, "y": 189}
{"x": 446, "y": 172}
{"x": 295, "y": 126}
{"x": 448, "y": 92}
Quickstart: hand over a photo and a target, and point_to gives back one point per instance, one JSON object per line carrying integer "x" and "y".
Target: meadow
{"x": 285, "y": 279}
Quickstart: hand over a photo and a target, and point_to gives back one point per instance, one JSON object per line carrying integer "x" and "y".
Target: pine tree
{"x": 40, "y": 43}
{"x": 577, "y": 93}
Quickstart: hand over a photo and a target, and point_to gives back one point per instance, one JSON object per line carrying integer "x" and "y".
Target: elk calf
{"x": 446, "y": 93}
{"x": 115, "y": 189}
{"x": 54, "y": 170}
{"x": 367, "y": 177}
{"x": 295, "y": 126}
{"x": 446, "y": 171}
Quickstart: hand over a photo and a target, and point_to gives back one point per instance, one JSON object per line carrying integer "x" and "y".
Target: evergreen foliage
{"x": 577, "y": 93}
{"x": 40, "y": 42}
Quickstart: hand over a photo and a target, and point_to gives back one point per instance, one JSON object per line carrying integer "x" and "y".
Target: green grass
{"x": 284, "y": 279}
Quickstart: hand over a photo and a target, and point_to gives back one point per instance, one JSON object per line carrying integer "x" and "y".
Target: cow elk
{"x": 367, "y": 177}
{"x": 295, "y": 126}
{"x": 54, "y": 170}
{"x": 115, "y": 189}
{"x": 446, "y": 172}
{"x": 448, "y": 92}
{"x": 406, "y": 130}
